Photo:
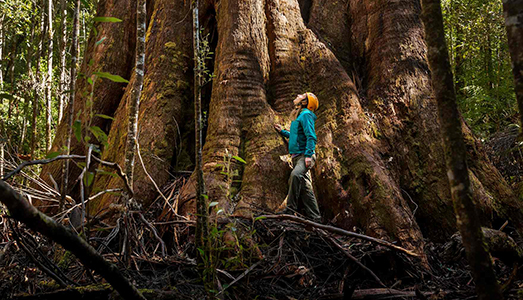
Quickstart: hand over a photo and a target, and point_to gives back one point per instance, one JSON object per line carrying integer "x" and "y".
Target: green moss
{"x": 93, "y": 288}
{"x": 170, "y": 45}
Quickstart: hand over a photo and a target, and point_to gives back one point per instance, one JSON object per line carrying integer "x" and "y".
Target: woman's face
{"x": 299, "y": 98}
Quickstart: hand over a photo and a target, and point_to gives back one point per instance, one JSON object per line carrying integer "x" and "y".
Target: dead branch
{"x": 376, "y": 294}
{"x": 241, "y": 276}
{"x": 354, "y": 259}
{"x": 340, "y": 231}
{"x": 38, "y": 263}
{"x": 41, "y": 162}
{"x": 153, "y": 230}
{"x": 112, "y": 165}
{"x": 24, "y": 212}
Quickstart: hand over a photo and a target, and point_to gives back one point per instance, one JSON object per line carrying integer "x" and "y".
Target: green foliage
{"x": 115, "y": 78}
{"x": 477, "y": 42}
{"x": 106, "y": 19}
{"x": 21, "y": 29}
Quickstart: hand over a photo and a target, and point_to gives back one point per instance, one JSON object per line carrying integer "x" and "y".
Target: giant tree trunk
{"x": 380, "y": 157}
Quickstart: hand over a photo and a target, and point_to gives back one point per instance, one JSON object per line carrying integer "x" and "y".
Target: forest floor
{"x": 287, "y": 260}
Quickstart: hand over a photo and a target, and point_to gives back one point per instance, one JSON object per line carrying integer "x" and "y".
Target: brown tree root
{"x": 24, "y": 212}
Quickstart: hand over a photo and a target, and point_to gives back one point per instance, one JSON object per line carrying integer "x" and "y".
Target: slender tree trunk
{"x": 141, "y": 19}
{"x": 457, "y": 169}
{"x": 16, "y": 40}
{"x": 1, "y": 158}
{"x": 38, "y": 85}
{"x": 49, "y": 83}
{"x": 513, "y": 11}
{"x": 202, "y": 227}
{"x": 2, "y": 44}
{"x": 72, "y": 93}
{"x": 63, "y": 68}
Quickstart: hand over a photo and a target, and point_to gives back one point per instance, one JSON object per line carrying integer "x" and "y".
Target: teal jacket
{"x": 302, "y": 137}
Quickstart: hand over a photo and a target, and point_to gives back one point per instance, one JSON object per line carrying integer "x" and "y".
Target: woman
{"x": 302, "y": 142}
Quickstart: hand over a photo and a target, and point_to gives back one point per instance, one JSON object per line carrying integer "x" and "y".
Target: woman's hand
{"x": 278, "y": 127}
{"x": 308, "y": 162}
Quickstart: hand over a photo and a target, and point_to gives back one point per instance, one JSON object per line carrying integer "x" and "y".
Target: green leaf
{"x": 90, "y": 81}
{"x": 77, "y": 129}
{"x": 103, "y": 172}
{"x": 99, "y": 134}
{"x": 115, "y": 78}
{"x": 239, "y": 159}
{"x": 213, "y": 204}
{"x": 88, "y": 178}
{"x": 205, "y": 197}
{"x": 260, "y": 218}
{"x": 100, "y": 41}
{"x": 106, "y": 19}
{"x": 52, "y": 155}
{"x": 104, "y": 117}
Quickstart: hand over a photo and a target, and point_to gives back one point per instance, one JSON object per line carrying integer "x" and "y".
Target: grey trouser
{"x": 300, "y": 187}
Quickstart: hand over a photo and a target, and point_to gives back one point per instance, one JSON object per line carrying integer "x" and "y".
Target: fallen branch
{"x": 41, "y": 162}
{"x": 355, "y": 260}
{"x": 241, "y": 276}
{"x": 340, "y": 231}
{"x": 24, "y": 212}
{"x": 153, "y": 230}
{"x": 40, "y": 265}
{"x": 376, "y": 294}
{"x": 112, "y": 165}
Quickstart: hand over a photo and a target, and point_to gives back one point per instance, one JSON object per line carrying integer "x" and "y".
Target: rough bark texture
{"x": 72, "y": 94}
{"x": 136, "y": 92}
{"x": 37, "y": 90}
{"x": 49, "y": 78}
{"x": 380, "y": 156}
{"x": 114, "y": 55}
{"x": 164, "y": 102}
{"x": 63, "y": 41}
{"x": 513, "y": 10}
{"x": 455, "y": 154}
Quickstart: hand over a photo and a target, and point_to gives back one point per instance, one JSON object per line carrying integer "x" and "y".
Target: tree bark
{"x": 513, "y": 12}
{"x": 72, "y": 94}
{"x": 2, "y": 44}
{"x": 165, "y": 105}
{"x": 49, "y": 82}
{"x": 136, "y": 90}
{"x": 202, "y": 224}
{"x": 63, "y": 68}
{"x": 455, "y": 153}
{"x": 38, "y": 84}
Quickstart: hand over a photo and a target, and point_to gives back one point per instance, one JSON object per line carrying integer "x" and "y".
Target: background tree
{"x": 455, "y": 153}
{"x": 479, "y": 57}
{"x": 514, "y": 24}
